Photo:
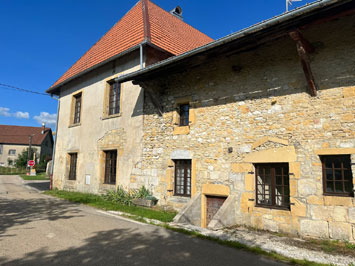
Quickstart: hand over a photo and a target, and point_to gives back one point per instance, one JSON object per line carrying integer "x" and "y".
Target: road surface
{"x": 36, "y": 229}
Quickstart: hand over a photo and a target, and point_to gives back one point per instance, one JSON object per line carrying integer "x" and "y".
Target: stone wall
{"x": 255, "y": 107}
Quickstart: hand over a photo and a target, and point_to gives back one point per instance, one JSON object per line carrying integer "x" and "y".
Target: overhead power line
{"x": 7, "y": 86}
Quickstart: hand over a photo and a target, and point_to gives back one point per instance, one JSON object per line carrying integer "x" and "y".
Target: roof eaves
{"x": 232, "y": 37}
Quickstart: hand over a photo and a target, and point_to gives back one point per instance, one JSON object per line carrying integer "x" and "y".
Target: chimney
{"x": 43, "y": 128}
{"x": 177, "y": 12}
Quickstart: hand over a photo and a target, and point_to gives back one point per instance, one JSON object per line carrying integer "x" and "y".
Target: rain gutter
{"x": 234, "y": 36}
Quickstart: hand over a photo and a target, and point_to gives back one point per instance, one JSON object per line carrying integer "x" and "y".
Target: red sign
{"x": 31, "y": 162}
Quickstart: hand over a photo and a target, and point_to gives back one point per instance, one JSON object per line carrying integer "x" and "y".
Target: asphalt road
{"x": 36, "y": 229}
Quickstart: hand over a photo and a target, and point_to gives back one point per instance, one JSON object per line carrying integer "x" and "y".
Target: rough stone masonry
{"x": 254, "y": 107}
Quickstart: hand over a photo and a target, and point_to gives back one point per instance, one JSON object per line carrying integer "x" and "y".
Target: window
{"x": 183, "y": 178}
{"x": 110, "y": 167}
{"x": 184, "y": 114}
{"x": 12, "y": 152}
{"x": 272, "y": 185}
{"x": 337, "y": 175}
{"x": 114, "y": 98}
{"x": 72, "y": 169}
{"x": 1, "y": 148}
{"x": 77, "y": 108}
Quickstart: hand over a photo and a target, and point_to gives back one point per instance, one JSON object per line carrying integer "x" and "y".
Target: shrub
{"x": 126, "y": 197}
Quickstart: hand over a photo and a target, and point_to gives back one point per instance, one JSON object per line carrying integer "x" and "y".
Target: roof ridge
{"x": 146, "y": 22}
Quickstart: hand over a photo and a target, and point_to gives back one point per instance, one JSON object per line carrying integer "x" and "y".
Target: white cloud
{"x": 4, "y": 111}
{"x": 20, "y": 115}
{"x": 49, "y": 119}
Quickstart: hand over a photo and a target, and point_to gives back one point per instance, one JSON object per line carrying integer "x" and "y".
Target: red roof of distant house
{"x": 20, "y": 135}
{"x": 144, "y": 22}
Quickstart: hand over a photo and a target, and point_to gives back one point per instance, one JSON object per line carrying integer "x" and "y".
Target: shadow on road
{"x": 42, "y": 186}
{"x": 14, "y": 211}
{"x": 130, "y": 247}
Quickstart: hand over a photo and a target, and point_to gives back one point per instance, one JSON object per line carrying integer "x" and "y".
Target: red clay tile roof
{"x": 144, "y": 22}
{"x": 171, "y": 33}
{"x": 20, "y": 134}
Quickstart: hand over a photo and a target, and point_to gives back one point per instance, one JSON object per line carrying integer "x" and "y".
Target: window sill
{"x": 338, "y": 195}
{"x": 181, "y": 130}
{"x": 273, "y": 207}
{"x": 111, "y": 116}
{"x": 75, "y": 125}
{"x": 182, "y": 196}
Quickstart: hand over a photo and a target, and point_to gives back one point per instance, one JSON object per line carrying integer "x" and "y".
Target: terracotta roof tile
{"x": 20, "y": 135}
{"x": 165, "y": 31}
{"x": 172, "y": 34}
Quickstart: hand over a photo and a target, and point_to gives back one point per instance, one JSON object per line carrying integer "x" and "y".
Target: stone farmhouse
{"x": 255, "y": 129}
{"x": 15, "y": 139}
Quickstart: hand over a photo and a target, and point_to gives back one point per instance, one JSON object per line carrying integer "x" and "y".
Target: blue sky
{"x": 41, "y": 39}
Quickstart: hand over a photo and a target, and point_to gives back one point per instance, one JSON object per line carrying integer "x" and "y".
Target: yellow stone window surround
{"x": 105, "y": 109}
{"x": 72, "y": 108}
{"x": 183, "y": 130}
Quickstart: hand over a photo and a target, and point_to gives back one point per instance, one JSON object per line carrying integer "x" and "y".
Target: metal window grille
{"x": 184, "y": 110}
{"x": 183, "y": 178}
{"x": 337, "y": 175}
{"x": 72, "y": 167}
{"x": 272, "y": 185}
{"x": 110, "y": 167}
{"x": 77, "y": 108}
{"x": 114, "y": 99}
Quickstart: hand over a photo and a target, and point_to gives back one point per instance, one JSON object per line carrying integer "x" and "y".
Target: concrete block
{"x": 191, "y": 212}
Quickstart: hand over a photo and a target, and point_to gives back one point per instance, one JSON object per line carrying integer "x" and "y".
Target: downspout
{"x": 55, "y": 142}
{"x": 141, "y": 55}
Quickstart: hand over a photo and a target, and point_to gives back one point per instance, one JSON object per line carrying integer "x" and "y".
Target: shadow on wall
{"x": 22, "y": 211}
{"x": 131, "y": 247}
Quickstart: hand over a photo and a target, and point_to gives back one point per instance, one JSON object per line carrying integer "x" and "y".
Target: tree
{"x": 21, "y": 160}
{"x": 10, "y": 162}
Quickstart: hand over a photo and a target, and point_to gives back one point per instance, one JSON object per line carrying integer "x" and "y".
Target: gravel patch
{"x": 269, "y": 242}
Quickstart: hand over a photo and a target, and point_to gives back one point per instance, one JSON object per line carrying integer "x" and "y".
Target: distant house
{"x": 15, "y": 139}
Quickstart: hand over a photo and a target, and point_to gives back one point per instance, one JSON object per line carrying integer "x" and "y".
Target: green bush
{"x": 119, "y": 196}
{"x": 126, "y": 197}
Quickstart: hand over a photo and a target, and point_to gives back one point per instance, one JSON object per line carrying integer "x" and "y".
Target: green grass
{"x": 11, "y": 171}
{"x": 255, "y": 250}
{"x": 40, "y": 176}
{"x": 98, "y": 202}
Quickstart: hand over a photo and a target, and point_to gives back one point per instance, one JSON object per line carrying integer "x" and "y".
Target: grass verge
{"x": 255, "y": 250}
{"x": 98, "y": 202}
{"x": 40, "y": 176}
{"x": 163, "y": 216}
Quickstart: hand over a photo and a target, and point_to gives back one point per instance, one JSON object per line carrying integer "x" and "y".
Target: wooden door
{"x": 213, "y": 205}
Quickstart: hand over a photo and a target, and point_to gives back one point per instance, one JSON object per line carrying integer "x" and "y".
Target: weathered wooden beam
{"x": 304, "y": 47}
{"x": 298, "y": 37}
